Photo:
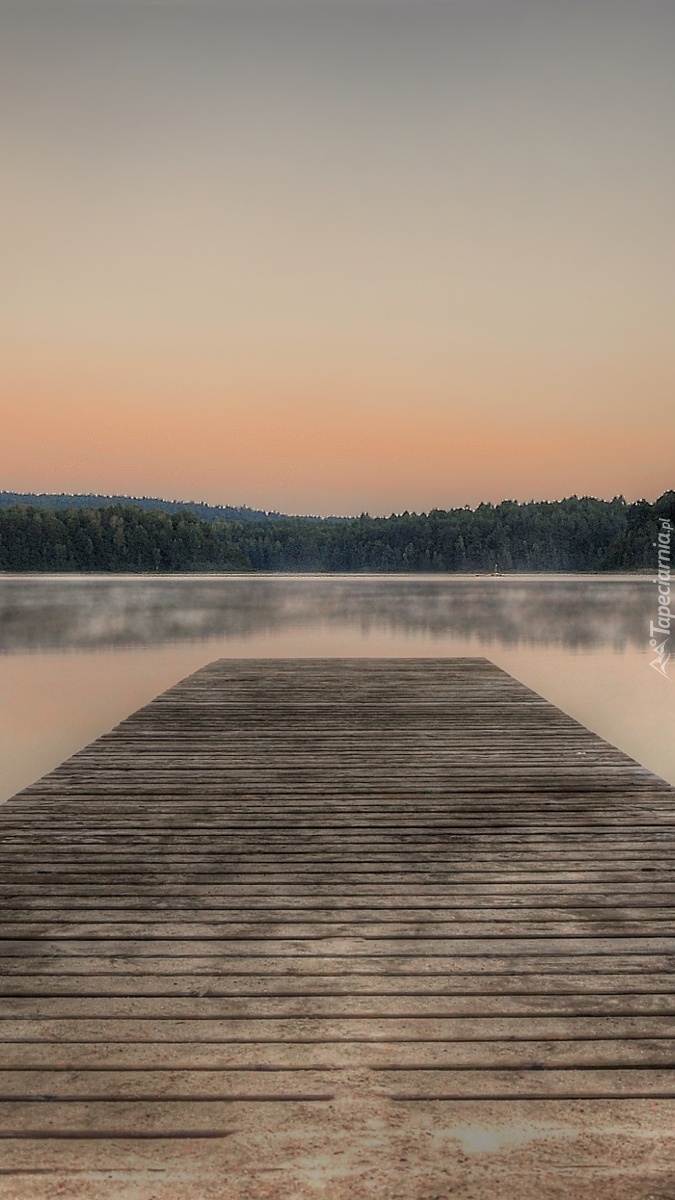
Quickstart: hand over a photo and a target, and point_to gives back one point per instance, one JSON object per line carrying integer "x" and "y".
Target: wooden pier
{"x": 396, "y": 929}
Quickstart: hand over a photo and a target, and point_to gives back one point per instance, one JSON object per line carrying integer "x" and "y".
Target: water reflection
{"x": 86, "y": 613}
{"x": 79, "y": 654}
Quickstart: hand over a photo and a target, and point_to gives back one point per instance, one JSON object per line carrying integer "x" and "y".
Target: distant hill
{"x": 207, "y": 512}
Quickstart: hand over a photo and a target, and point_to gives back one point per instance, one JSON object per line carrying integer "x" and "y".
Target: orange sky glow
{"x": 328, "y": 259}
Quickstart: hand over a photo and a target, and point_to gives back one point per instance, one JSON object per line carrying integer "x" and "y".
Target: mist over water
{"x": 79, "y": 613}
{"x": 78, "y": 654}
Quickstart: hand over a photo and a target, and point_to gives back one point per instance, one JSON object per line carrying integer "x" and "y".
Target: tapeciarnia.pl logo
{"x": 659, "y": 630}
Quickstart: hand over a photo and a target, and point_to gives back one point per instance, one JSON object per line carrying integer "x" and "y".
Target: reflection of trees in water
{"x": 45, "y": 613}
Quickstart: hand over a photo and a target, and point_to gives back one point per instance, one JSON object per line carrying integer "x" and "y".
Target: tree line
{"x": 117, "y": 538}
{"x": 575, "y": 534}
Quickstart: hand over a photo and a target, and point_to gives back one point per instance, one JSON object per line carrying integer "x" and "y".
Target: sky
{"x": 334, "y": 256}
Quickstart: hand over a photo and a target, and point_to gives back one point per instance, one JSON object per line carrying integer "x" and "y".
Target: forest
{"x": 575, "y": 534}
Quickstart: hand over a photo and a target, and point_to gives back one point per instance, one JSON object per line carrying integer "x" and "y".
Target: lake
{"x": 79, "y": 653}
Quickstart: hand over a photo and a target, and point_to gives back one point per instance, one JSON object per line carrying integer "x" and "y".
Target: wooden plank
{"x": 96, "y": 981}
{"x": 22, "y": 1059}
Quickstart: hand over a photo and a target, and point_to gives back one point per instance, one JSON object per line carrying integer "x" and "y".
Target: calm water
{"x": 79, "y": 653}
